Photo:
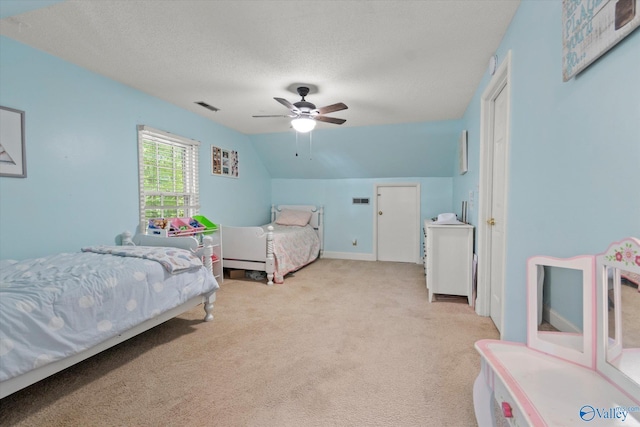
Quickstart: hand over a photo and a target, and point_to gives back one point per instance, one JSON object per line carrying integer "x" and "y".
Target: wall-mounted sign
{"x": 592, "y": 27}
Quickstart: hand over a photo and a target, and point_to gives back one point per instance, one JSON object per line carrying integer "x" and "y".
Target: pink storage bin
{"x": 182, "y": 227}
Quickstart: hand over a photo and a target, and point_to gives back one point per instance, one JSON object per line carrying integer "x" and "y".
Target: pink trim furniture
{"x": 578, "y": 369}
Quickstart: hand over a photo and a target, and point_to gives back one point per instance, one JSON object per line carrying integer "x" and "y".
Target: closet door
{"x": 398, "y": 228}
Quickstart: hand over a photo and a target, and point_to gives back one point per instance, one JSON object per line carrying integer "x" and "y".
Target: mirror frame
{"x": 583, "y": 354}
{"x": 610, "y": 259}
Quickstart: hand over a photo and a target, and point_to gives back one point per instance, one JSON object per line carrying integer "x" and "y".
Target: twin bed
{"x": 58, "y": 310}
{"x": 293, "y": 239}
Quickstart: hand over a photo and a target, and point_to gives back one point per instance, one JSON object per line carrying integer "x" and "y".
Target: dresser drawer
{"x": 507, "y": 411}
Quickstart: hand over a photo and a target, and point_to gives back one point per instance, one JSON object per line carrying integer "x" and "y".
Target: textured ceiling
{"x": 389, "y": 61}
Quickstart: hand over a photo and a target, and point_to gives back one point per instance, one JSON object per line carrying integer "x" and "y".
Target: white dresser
{"x": 448, "y": 259}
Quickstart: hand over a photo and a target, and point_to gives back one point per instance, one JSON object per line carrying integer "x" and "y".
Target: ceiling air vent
{"x": 207, "y": 106}
{"x": 360, "y": 201}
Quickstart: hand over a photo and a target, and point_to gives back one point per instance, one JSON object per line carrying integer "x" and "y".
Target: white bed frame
{"x": 21, "y": 381}
{"x": 250, "y": 248}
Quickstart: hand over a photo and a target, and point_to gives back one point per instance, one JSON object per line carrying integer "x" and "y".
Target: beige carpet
{"x": 630, "y": 315}
{"x": 342, "y": 343}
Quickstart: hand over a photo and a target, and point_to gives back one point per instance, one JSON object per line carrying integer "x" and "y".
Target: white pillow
{"x": 293, "y": 217}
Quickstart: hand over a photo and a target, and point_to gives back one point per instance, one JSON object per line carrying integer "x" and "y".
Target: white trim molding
{"x": 354, "y": 256}
{"x": 500, "y": 80}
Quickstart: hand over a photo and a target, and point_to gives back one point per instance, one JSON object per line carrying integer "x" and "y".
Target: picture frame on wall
{"x": 462, "y": 153}
{"x": 224, "y": 162}
{"x": 13, "y": 161}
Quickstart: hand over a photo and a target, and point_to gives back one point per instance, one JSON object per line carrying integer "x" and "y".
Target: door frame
{"x": 500, "y": 81}
{"x": 376, "y": 186}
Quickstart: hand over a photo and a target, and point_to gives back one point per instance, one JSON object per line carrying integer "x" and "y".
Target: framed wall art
{"x": 591, "y": 27}
{"x": 13, "y": 161}
{"x": 224, "y": 162}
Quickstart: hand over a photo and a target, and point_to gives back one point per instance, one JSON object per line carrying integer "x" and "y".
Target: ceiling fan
{"x": 305, "y": 114}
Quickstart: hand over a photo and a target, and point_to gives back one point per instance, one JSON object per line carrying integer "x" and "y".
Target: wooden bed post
{"x": 126, "y": 239}
{"x": 207, "y": 252}
{"x": 270, "y": 262}
{"x": 208, "y": 307}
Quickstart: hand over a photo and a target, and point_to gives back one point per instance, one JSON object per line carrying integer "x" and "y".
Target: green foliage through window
{"x": 169, "y": 177}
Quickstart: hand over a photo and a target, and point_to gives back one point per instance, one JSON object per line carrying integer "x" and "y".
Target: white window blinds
{"x": 168, "y": 174}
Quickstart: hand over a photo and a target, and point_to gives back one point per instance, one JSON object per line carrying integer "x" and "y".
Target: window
{"x": 168, "y": 175}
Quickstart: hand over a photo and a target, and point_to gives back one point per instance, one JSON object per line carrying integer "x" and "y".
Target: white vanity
{"x": 581, "y": 363}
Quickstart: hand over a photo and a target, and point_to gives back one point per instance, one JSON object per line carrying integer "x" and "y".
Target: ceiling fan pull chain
{"x": 296, "y": 143}
{"x": 310, "y": 143}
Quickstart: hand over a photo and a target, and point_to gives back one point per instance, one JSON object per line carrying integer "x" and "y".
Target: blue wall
{"x": 345, "y": 221}
{"x": 387, "y": 151}
{"x": 562, "y": 295}
{"x": 344, "y": 163}
{"x": 575, "y": 150}
{"x": 15, "y": 7}
{"x": 82, "y": 162}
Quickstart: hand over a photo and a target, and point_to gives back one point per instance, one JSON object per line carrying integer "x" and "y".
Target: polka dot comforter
{"x": 60, "y": 305}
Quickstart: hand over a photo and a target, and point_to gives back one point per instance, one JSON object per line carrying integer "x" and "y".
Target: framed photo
{"x": 224, "y": 162}
{"x": 462, "y": 153}
{"x": 13, "y": 162}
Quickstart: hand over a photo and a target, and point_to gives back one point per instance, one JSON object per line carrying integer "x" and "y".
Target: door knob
{"x": 491, "y": 221}
{"x": 379, "y": 212}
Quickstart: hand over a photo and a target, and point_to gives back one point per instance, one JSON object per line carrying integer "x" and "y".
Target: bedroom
{"x": 573, "y": 161}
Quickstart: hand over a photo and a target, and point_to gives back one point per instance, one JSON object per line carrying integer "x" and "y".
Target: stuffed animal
{"x": 160, "y": 223}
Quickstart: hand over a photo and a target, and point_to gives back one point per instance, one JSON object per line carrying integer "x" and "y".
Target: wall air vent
{"x": 207, "y": 106}
{"x": 360, "y": 201}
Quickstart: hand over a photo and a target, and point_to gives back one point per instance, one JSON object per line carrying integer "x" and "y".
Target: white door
{"x": 494, "y": 179}
{"x": 398, "y": 223}
{"x": 498, "y": 197}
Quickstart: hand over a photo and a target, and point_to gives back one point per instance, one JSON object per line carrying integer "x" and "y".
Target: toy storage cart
{"x": 198, "y": 226}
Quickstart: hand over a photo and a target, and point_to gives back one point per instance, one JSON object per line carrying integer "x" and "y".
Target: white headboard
{"x": 316, "y": 221}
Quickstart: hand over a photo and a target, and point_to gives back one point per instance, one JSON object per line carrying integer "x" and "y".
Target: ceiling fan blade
{"x": 331, "y": 108}
{"x": 287, "y": 104}
{"x": 277, "y": 115}
{"x": 330, "y": 120}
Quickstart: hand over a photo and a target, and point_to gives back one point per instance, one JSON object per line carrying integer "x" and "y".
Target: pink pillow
{"x": 293, "y": 217}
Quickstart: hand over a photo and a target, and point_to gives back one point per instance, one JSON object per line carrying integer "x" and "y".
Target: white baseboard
{"x": 558, "y": 321}
{"x": 349, "y": 255}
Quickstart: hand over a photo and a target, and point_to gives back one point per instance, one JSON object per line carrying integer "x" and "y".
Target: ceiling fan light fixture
{"x": 303, "y": 124}
{"x": 305, "y": 114}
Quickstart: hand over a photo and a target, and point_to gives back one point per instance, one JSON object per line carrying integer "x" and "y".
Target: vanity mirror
{"x": 618, "y": 314}
{"x": 582, "y": 369}
{"x": 560, "y": 307}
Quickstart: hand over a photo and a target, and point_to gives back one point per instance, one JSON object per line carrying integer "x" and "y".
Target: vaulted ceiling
{"x": 391, "y": 62}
